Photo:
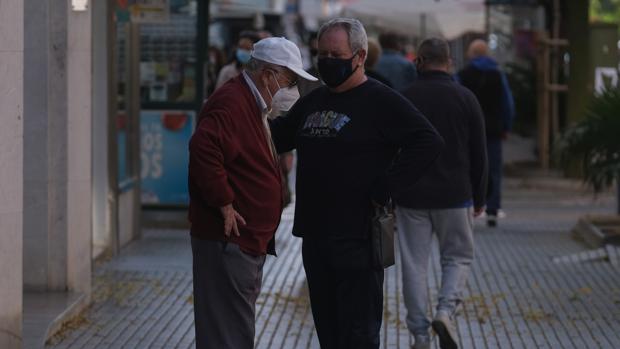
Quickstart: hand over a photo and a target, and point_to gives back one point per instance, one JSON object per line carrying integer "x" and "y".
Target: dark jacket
{"x": 458, "y": 178}
{"x": 484, "y": 78}
{"x": 231, "y": 162}
{"x": 352, "y": 148}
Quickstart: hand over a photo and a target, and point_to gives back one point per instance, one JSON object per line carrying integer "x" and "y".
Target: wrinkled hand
{"x": 478, "y": 211}
{"x": 231, "y": 220}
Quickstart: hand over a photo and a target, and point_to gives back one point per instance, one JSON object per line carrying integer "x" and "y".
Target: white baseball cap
{"x": 280, "y": 51}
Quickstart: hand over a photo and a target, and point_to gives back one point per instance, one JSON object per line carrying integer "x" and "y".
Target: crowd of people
{"x": 370, "y": 129}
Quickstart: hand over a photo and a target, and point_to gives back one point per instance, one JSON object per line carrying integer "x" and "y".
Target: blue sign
{"x": 164, "y": 154}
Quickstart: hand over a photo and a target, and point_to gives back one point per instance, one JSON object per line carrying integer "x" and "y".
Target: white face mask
{"x": 284, "y": 99}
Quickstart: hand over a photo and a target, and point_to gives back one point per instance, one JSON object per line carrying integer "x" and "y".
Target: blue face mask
{"x": 243, "y": 56}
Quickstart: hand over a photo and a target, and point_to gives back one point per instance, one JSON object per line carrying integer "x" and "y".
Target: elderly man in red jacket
{"x": 236, "y": 194}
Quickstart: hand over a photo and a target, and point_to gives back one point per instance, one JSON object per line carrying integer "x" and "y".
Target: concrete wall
{"x": 126, "y": 217}
{"x": 11, "y": 171}
{"x": 57, "y": 147}
{"x": 79, "y": 150}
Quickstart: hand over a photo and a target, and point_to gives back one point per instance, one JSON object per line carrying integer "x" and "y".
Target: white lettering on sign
{"x": 152, "y": 147}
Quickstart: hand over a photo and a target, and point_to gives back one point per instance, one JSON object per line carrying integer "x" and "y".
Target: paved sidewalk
{"x": 517, "y": 297}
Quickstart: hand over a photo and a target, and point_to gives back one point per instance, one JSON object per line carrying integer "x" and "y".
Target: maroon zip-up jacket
{"x": 231, "y": 162}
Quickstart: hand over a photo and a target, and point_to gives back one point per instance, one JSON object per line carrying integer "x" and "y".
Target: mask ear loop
{"x": 358, "y": 65}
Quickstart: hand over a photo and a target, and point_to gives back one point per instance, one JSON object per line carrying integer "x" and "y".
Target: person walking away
{"x": 216, "y": 62}
{"x": 484, "y": 78}
{"x": 240, "y": 58}
{"x": 236, "y": 195}
{"x": 305, "y": 86}
{"x": 393, "y": 65}
{"x": 374, "y": 52}
{"x": 445, "y": 200}
{"x": 357, "y": 141}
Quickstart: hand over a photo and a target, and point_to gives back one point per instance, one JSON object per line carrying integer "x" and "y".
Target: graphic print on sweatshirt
{"x": 324, "y": 124}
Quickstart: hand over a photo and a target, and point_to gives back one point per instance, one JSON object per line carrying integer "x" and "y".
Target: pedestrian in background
{"x": 348, "y": 135}
{"x": 235, "y": 191}
{"x": 393, "y": 65}
{"x": 374, "y": 52}
{"x": 240, "y": 58}
{"x": 484, "y": 78}
{"x": 445, "y": 200}
{"x": 217, "y": 59}
{"x": 305, "y": 86}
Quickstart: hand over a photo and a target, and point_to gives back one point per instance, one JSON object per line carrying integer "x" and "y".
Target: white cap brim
{"x": 303, "y": 74}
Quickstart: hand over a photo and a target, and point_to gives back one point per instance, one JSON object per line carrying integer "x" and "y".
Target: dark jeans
{"x": 346, "y": 293}
{"x": 227, "y": 282}
{"x": 494, "y": 197}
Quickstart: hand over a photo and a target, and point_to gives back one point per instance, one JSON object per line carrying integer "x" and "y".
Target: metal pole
{"x": 112, "y": 131}
{"x": 618, "y": 195}
{"x": 133, "y": 134}
{"x": 555, "y": 118}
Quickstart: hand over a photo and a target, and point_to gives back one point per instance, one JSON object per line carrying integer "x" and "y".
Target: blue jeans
{"x": 494, "y": 196}
{"x": 454, "y": 230}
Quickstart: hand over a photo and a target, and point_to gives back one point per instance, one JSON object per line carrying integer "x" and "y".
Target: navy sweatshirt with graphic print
{"x": 364, "y": 144}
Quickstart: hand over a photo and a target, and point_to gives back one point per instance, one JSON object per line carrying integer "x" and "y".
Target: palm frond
{"x": 596, "y": 141}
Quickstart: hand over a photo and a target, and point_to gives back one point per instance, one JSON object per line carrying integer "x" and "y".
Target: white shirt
{"x": 262, "y": 106}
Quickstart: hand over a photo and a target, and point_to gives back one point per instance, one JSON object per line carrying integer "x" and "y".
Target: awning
{"x": 443, "y": 18}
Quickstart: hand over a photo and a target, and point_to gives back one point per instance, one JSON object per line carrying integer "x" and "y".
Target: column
{"x": 11, "y": 171}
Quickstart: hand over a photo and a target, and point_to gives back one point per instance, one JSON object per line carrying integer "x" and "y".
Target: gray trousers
{"x": 454, "y": 229}
{"x": 227, "y": 282}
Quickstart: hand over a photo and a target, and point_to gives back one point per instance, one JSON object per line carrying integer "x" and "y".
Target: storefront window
{"x": 168, "y": 56}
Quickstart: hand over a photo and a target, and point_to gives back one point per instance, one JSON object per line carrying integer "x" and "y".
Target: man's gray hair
{"x": 358, "y": 39}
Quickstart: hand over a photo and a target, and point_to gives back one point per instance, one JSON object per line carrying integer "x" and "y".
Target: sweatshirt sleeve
{"x": 419, "y": 143}
{"x": 479, "y": 166}
{"x": 212, "y": 146}
{"x": 284, "y": 129}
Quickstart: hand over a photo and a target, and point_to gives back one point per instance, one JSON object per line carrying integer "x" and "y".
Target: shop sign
{"x": 164, "y": 138}
{"x": 143, "y": 11}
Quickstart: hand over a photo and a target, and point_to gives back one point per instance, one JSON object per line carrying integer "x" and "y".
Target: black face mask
{"x": 335, "y": 71}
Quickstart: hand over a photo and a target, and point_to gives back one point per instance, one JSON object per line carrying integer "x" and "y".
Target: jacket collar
{"x": 434, "y": 75}
{"x": 260, "y": 101}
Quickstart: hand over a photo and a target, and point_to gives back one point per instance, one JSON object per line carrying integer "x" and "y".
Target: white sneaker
{"x": 443, "y": 326}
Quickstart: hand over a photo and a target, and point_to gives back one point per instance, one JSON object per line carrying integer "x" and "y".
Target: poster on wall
{"x": 164, "y": 139}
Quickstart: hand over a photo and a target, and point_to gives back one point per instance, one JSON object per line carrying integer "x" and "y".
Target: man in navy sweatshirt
{"x": 357, "y": 141}
{"x": 484, "y": 78}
